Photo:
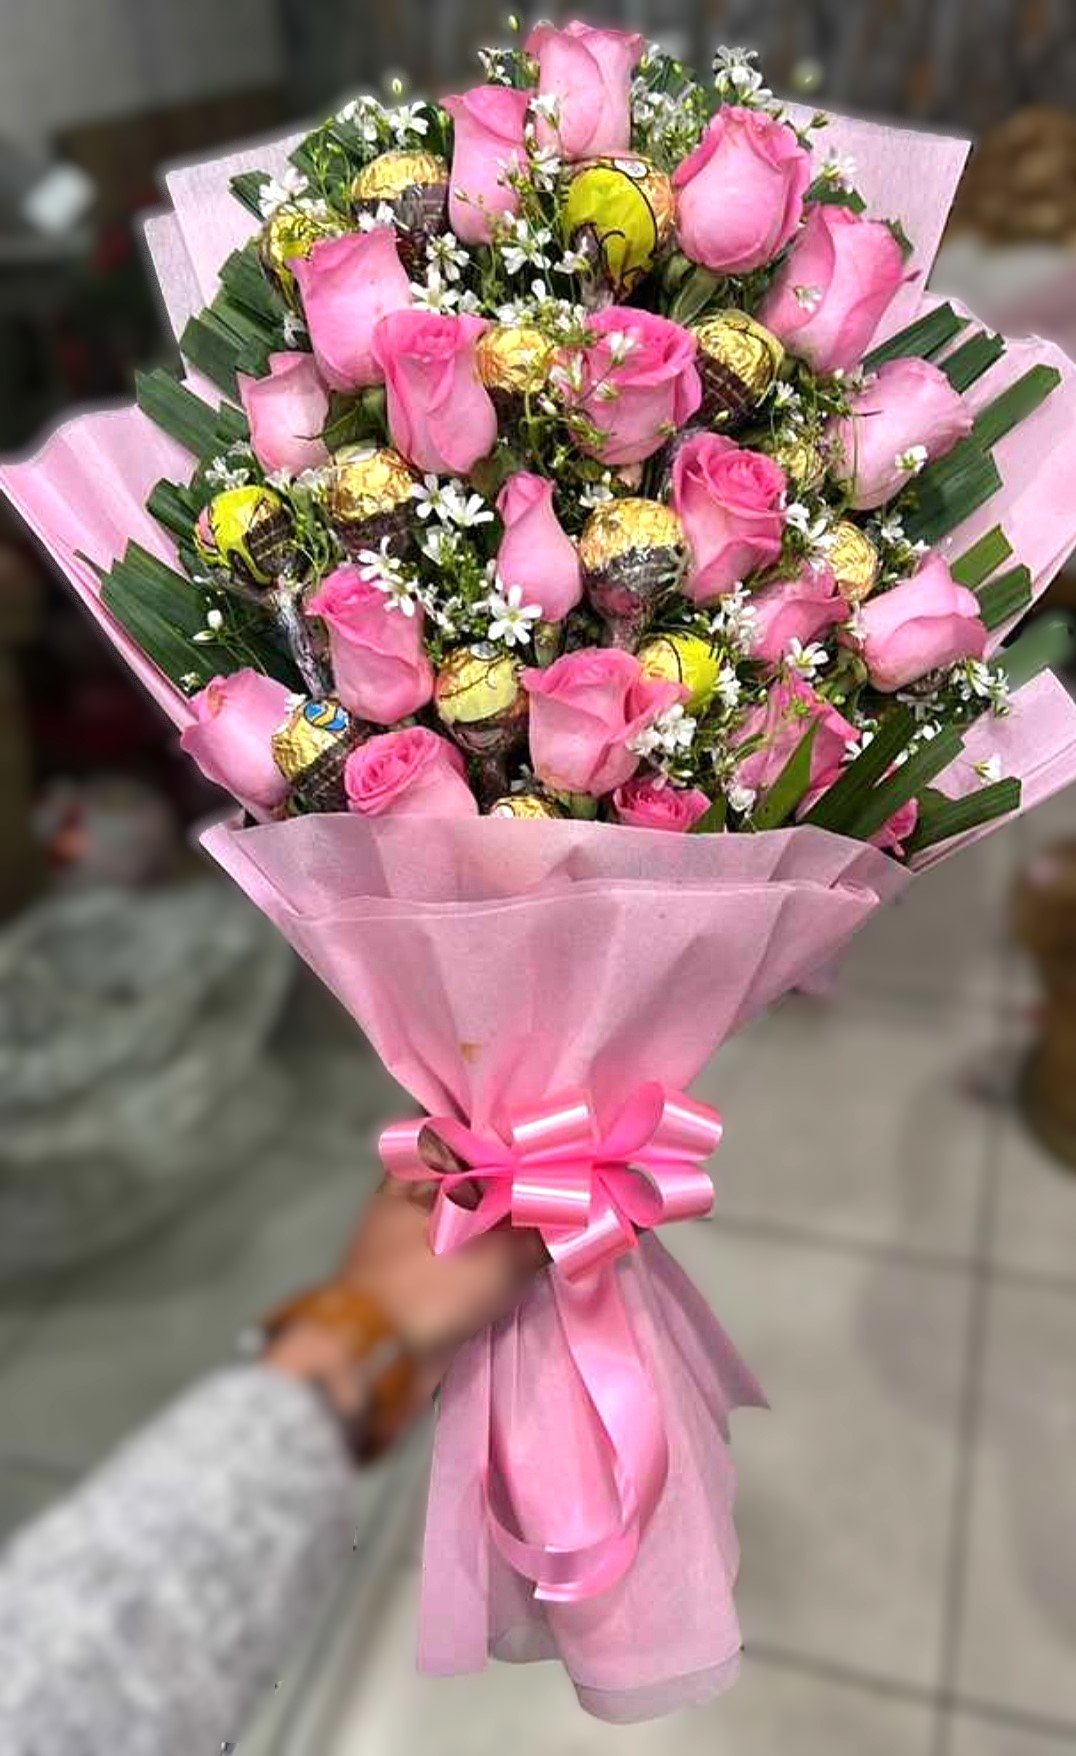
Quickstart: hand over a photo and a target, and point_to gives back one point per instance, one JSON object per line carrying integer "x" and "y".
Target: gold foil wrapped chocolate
{"x": 738, "y": 360}
{"x": 311, "y": 751}
{"x": 247, "y": 531}
{"x": 632, "y": 552}
{"x": 415, "y": 186}
{"x": 513, "y": 363}
{"x": 803, "y": 462}
{"x": 687, "y": 659}
{"x": 289, "y": 235}
{"x": 619, "y": 213}
{"x": 533, "y": 806}
{"x": 481, "y": 701}
{"x": 854, "y": 560}
{"x": 369, "y": 496}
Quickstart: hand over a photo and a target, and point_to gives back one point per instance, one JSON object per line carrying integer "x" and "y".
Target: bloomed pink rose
{"x": 923, "y": 625}
{"x": 380, "y": 668}
{"x": 489, "y": 124}
{"x": 231, "y": 737}
{"x": 794, "y": 609}
{"x": 347, "y": 286}
{"x": 440, "y": 414}
{"x": 648, "y": 802}
{"x": 585, "y": 712}
{"x": 287, "y": 412}
{"x": 740, "y": 193}
{"x": 639, "y": 383}
{"x": 778, "y": 726}
{"x": 731, "y": 503}
{"x": 892, "y": 835}
{"x": 586, "y": 74}
{"x": 834, "y": 287}
{"x": 535, "y": 553}
{"x": 907, "y": 404}
{"x": 410, "y": 773}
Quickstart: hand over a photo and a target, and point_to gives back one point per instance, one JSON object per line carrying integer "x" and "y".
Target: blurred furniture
{"x": 1044, "y": 919}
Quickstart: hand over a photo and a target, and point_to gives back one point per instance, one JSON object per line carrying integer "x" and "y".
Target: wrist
{"x": 339, "y": 1342}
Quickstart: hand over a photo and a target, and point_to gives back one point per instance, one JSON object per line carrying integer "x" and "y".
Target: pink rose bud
{"x": 490, "y": 121}
{"x": 834, "y": 287}
{"x": 649, "y": 803}
{"x": 639, "y": 382}
{"x": 411, "y": 773}
{"x": 892, "y": 835}
{"x": 586, "y": 73}
{"x": 740, "y": 193}
{"x": 908, "y": 414}
{"x": 379, "y": 661}
{"x": 794, "y": 609}
{"x": 535, "y": 553}
{"x": 347, "y": 285}
{"x": 586, "y": 711}
{"x": 441, "y": 416}
{"x": 287, "y": 412}
{"x": 925, "y": 624}
{"x": 731, "y": 504}
{"x": 231, "y": 737}
{"x": 778, "y": 726}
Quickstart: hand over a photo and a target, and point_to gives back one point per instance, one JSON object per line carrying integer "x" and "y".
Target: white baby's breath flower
{"x": 436, "y": 295}
{"x": 912, "y": 461}
{"x": 223, "y": 474}
{"x": 572, "y": 262}
{"x": 735, "y": 75}
{"x": 806, "y": 661}
{"x": 808, "y": 298}
{"x": 547, "y": 107}
{"x": 620, "y": 343}
{"x": 277, "y": 192}
{"x": 668, "y": 736}
{"x": 406, "y": 122}
{"x": 380, "y": 568}
{"x": 596, "y": 494}
{"x": 741, "y": 799}
{"x": 839, "y": 170}
{"x": 447, "y": 255}
{"x": 989, "y": 771}
{"x": 511, "y": 620}
{"x": 293, "y": 329}
{"x": 728, "y": 689}
{"x": 377, "y": 218}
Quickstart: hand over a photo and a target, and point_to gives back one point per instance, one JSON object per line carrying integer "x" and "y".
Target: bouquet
{"x": 589, "y": 556}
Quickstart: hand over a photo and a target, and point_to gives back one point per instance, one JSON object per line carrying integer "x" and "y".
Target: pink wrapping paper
{"x": 497, "y": 963}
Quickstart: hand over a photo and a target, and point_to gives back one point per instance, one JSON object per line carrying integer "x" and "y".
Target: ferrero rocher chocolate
{"x": 854, "y": 560}
{"x": 481, "y": 701}
{"x": 619, "y": 213}
{"x": 632, "y": 552}
{"x": 686, "y": 659}
{"x": 513, "y": 363}
{"x": 290, "y": 234}
{"x": 803, "y": 462}
{"x": 530, "y": 805}
{"x": 311, "y": 750}
{"x": 738, "y": 360}
{"x": 415, "y": 186}
{"x": 369, "y": 497}
{"x": 246, "y": 530}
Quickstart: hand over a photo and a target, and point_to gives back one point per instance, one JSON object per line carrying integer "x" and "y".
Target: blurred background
{"x": 183, "y": 1134}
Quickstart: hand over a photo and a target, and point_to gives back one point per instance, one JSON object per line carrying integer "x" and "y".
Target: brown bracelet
{"x": 368, "y": 1342}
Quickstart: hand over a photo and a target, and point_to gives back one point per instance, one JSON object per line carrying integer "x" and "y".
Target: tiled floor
{"x": 894, "y": 1255}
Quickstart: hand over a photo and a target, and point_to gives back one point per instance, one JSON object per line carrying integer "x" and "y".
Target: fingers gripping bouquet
{"x": 588, "y": 556}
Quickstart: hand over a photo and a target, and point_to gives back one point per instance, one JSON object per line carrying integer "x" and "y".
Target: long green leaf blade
{"x": 982, "y": 559}
{"x": 1005, "y": 596}
{"x": 968, "y": 363}
{"x": 175, "y": 409}
{"x": 1048, "y": 644}
{"x": 791, "y": 785}
{"x": 906, "y": 782}
{"x": 837, "y": 808}
{"x": 926, "y": 336}
{"x": 1015, "y": 405}
{"x": 947, "y": 818}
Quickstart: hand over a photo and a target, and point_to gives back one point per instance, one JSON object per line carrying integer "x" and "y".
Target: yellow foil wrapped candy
{"x": 738, "y": 361}
{"x": 620, "y": 214}
{"x": 248, "y": 531}
{"x": 632, "y": 551}
{"x": 687, "y": 659}
{"x": 369, "y": 496}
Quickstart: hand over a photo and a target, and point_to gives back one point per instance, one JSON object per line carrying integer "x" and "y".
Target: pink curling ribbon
{"x": 588, "y": 1193}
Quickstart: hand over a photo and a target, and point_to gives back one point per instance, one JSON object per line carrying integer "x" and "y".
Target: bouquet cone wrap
{"x": 496, "y": 965}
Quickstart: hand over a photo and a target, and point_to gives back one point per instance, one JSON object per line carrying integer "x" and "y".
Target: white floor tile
{"x": 976, "y": 1737}
{"x": 1035, "y": 1226}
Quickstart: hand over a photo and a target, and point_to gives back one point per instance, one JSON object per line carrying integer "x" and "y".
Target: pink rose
{"x": 639, "y": 382}
{"x": 648, "y": 803}
{"x": 441, "y": 416}
{"x": 740, "y": 193}
{"x": 411, "y": 773}
{"x": 380, "y": 667}
{"x": 231, "y": 738}
{"x": 588, "y": 73}
{"x": 287, "y": 412}
{"x": 347, "y": 286}
{"x": 834, "y": 287}
{"x": 923, "y": 625}
{"x": 794, "y": 609}
{"x": 585, "y": 712}
{"x": 535, "y": 553}
{"x": 908, "y": 403}
{"x": 489, "y": 123}
{"x": 730, "y": 502}
{"x": 892, "y": 835}
{"x": 779, "y": 725}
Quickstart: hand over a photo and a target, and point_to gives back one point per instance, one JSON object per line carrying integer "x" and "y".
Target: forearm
{"x": 149, "y": 1613}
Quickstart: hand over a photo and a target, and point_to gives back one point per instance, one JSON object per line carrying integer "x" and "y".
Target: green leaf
{"x": 247, "y": 188}
{"x": 173, "y": 507}
{"x": 941, "y": 819}
{"x": 1049, "y": 644}
{"x": 906, "y": 782}
{"x": 1005, "y": 596}
{"x": 825, "y": 193}
{"x": 949, "y": 491}
{"x": 212, "y": 350}
{"x": 968, "y": 363}
{"x": 696, "y": 292}
{"x": 982, "y": 559}
{"x": 714, "y": 820}
{"x": 1015, "y": 405}
{"x": 175, "y": 409}
{"x": 790, "y": 786}
{"x": 837, "y": 808}
{"x": 246, "y": 285}
{"x": 922, "y": 339}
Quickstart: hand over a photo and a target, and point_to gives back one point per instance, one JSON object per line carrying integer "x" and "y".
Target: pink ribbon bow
{"x": 588, "y": 1193}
